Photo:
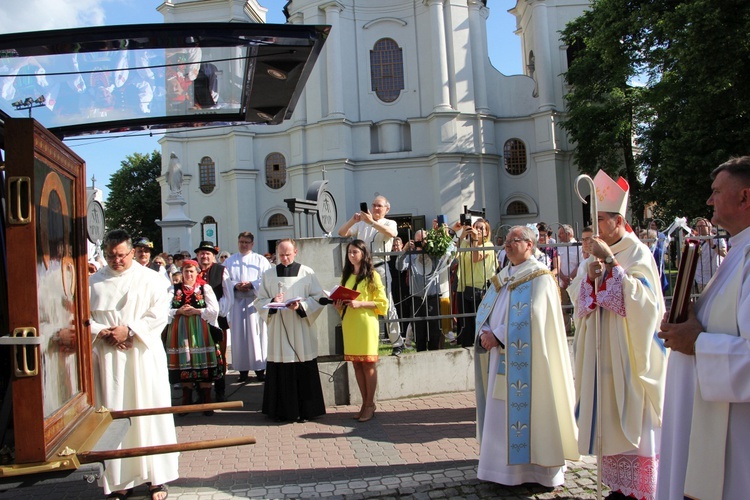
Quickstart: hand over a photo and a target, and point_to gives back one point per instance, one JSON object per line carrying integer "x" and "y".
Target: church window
{"x": 517, "y": 208}
{"x": 514, "y": 153}
{"x": 275, "y": 170}
{"x": 387, "y": 69}
{"x": 207, "y": 174}
{"x": 277, "y": 220}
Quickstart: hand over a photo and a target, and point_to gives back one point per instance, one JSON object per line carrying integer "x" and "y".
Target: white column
{"x": 440, "y": 59}
{"x": 333, "y": 59}
{"x": 543, "y": 65}
{"x": 477, "y": 56}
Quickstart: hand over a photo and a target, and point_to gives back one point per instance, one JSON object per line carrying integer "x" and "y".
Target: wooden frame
{"x": 47, "y": 288}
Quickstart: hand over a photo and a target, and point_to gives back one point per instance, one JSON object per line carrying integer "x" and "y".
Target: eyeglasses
{"x": 113, "y": 257}
{"x": 377, "y": 205}
{"x": 514, "y": 240}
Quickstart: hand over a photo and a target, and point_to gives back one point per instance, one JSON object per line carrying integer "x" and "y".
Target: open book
{"x": 281, "y": 305}
{"x": 342, "y": 293}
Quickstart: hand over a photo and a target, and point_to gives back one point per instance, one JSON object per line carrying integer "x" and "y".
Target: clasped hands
{"x": 117, "y": 336}
{"x": 488, "y": 340}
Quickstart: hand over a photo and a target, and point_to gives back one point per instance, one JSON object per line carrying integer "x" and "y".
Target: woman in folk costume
{"x": 359, "y": 322}
{"x": 633, "y": 359}
{"x": 192, "y": 355}
{"x": 524, "y": 383}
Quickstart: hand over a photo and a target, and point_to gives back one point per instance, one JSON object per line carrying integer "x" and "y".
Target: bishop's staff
{"x": 598, "y": 332}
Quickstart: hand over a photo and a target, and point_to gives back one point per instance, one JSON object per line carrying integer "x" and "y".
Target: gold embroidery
{"x": 529, "y": 277}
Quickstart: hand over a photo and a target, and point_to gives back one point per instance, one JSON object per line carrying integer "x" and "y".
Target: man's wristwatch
{"x": 609, "y": 259}
{"x": 131, "y": 333}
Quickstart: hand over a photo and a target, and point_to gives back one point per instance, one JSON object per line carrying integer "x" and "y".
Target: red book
{"x": 342, "y": 293}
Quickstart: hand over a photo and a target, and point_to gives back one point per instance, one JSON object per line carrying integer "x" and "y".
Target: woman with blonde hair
{"x": 359, "y": 322}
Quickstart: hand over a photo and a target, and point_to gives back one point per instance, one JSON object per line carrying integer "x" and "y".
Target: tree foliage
{"x": 134, "y": 201}
{"x": 689, "y": 112}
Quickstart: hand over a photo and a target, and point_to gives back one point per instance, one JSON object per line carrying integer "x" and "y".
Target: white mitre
{"x": 611, "y": 196}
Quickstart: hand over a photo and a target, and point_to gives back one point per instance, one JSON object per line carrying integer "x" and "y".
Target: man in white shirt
{"x": 704, "y": 452}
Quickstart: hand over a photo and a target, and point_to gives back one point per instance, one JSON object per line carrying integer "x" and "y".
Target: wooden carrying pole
{"x": 593, "y": 205}
{"x": 99, "y": 456}
{"x": 175, "y": 409}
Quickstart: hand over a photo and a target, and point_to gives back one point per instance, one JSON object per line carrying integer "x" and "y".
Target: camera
{"x": 418, "y": 244}
{"x": 363, "y": 207}
{"x": 441, "y": 220}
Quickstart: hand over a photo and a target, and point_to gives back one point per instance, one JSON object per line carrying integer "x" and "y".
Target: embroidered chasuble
{"x": 525, "y": 421}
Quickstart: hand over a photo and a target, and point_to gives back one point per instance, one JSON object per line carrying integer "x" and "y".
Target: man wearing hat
{"x": 622, "y": 292}
{"x": 143, "y": 248}
{"x": 217, "y": 277}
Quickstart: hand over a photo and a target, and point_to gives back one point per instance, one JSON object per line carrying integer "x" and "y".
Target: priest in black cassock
{"x": 292, "y": 390}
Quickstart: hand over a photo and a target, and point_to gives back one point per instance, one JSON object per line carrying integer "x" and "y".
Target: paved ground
{"x": 414, "y": 448}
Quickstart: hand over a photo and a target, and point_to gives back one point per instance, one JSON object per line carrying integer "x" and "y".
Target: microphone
{"x": 324, "y": 301}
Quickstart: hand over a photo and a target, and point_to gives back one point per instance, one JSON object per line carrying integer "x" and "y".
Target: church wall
{"x": 424, "y": 162}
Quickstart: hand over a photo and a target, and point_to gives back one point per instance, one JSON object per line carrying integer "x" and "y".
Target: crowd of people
{"x": 664, "y": 405}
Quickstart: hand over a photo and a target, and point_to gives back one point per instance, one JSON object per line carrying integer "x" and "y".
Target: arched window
{"x": 514, "y": 153}
{"x": 275, "y": 170}
{"x": 517, "y": 208}
{"x": 387, "y": 69}
{"x": 277, "y": 220}
{"x": 207, "y": 173}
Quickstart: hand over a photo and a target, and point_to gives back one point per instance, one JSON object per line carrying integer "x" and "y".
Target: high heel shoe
{"x": 359, "y": 413}
{"x": 367, "y": 413}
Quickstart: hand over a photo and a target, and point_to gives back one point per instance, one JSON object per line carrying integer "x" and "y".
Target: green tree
{"x": 134, "y": 201}
{"x": 689, "y": 114}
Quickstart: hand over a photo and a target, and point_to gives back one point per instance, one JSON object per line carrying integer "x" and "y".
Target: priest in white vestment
{"x": 633, "y": 359}
{"x": 129, "y": 310}
{"x": 524, "y": 383}
{"x": 248, "y": 331}
{"x": 706, "y": 434}
{"x": 292, "y": 391}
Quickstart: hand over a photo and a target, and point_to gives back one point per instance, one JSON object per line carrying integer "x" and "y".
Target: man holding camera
{"x": 424, "y": 285}
{"x": 378, "y": 233}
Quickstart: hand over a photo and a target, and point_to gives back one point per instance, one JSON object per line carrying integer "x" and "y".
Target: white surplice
{"x": 248, "y": 331}
{"x": 707, "y": 405}
{"x": 137, "y": 377}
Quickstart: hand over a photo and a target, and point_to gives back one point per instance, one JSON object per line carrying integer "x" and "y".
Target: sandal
{"x": 153, "y": 490}
{"x": 121, "y": 495}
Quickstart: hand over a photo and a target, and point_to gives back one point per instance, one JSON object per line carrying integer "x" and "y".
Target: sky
{"x": 103, "y": 154}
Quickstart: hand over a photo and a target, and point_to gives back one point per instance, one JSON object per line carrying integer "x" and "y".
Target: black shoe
{"x": 261, "y": 374}
{"x": 397, "y": 351}
{"x": 243, "y": 378}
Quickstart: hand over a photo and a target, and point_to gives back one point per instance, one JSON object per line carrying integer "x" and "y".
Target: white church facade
{"x": 404, "y": 102}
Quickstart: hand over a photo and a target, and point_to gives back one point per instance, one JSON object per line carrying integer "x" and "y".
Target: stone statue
{"x": 174, "y": 175}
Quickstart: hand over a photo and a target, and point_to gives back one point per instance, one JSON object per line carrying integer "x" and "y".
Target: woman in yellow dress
{"x": 359, "y": 322}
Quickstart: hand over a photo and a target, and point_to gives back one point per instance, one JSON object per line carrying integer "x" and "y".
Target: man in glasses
{"x": 524, "y": 382}
{"x": 129, "y": 310}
